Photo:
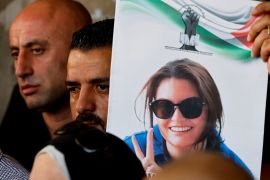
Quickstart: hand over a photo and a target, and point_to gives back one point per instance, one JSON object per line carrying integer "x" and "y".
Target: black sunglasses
{"x": 190, "y": 108}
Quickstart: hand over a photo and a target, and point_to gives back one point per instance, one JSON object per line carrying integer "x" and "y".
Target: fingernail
{"x": 248, "y": 38}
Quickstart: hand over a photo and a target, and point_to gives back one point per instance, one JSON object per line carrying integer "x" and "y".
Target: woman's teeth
{"x": 180, "y": 129}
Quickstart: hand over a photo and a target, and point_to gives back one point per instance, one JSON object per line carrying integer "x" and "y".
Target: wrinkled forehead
{"x": 23, "y": 31}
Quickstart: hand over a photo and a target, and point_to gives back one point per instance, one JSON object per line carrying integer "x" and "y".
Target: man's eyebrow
{"x": 71, "y": 83}
{"x": 31, "y": 43}
{"x": 99, "y": 80}
{"x": 93, "y": 81}
{"x": 36, "y": 42}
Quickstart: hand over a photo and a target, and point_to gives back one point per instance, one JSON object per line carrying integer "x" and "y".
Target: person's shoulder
{"x": 52, "y": 151}
{"x": 229, "y": 153}
{"x": 138, "y": 135}
{"x": 46, "y": 166}
{"x": 143, "y": 134}
{"x": 226, "y": 150}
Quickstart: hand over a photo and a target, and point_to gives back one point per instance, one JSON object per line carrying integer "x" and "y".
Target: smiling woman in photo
{"x": 184, "y": 100}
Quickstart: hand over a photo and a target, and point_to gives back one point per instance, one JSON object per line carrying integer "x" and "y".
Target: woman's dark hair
{"x": 202, "y": 81}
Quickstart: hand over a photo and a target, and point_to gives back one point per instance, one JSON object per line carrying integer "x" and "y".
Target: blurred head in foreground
{"x": 202, "y": 166}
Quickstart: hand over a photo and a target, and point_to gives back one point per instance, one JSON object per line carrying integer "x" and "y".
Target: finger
{"x": 265, "y": 50}
{"x": 261, "y": 8}
{"x": 257, "y": 44}
{"x": 153, "y": 168}
{"x": 137, "y": 148}
{"x": 150, "y": 146}
{"x": 258, "y": 26}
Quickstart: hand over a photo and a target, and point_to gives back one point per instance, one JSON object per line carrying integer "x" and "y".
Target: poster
{"x": 150, "y": 34}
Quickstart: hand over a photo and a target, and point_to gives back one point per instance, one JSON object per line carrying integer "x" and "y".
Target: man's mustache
{"x": 90, "y": 119}
{"x": 82, "y": 121}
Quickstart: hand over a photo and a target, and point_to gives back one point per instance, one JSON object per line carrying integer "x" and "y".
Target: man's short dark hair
{"x": 97, "y": 35}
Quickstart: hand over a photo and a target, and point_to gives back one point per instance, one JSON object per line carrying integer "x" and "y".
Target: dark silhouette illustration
{"x": 190, "y": 38}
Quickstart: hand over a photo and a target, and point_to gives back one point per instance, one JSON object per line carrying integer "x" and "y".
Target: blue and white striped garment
{"x": 11, "y": 170}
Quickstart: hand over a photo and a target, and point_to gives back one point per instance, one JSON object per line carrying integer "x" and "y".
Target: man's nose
{"x": 86, "y": 101}
{"x": 23, "y": 65}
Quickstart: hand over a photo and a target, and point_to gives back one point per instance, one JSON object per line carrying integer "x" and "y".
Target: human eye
{"x": 74, "y": 90}
{"x": 14, "y": 54}
{"x": 36, "y": 50}
{"x": 103, "y": 88}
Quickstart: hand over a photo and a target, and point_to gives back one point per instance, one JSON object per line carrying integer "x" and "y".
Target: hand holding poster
{"x": 182, "y": 78}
